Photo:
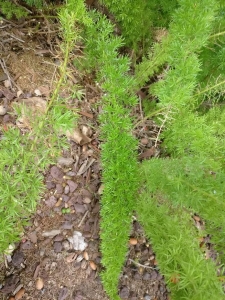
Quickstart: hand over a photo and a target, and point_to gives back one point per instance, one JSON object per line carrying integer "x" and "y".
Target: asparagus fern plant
{"x": 25, "y": 156}
{"x": 118, "y": 150}
{"x": 188, "y": 179}
{"x": 188, "y": 182}
{"x": 191, "y": 179}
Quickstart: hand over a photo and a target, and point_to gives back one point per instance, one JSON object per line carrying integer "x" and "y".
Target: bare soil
{"x": 44, "y": 265}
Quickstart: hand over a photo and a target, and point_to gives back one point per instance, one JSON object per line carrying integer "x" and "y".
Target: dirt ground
{"x": 47, "y": 264}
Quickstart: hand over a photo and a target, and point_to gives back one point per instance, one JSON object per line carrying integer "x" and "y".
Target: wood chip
{"x": 36, "y": 272}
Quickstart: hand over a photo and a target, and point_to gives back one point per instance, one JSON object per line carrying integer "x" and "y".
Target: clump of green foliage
{"x": 173, "y": 189}
{"x": 118, "y": 153}
{"x": 191, "y": 179}
{"x": 136, "y": 19}
{"x": 189, "y": 61}
{"x": 170, "y": 228}
{"x": 10, "y": 9}
{"x": 25, "y": 156}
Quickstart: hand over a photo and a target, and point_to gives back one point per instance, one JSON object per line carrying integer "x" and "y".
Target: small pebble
{"x": 146, "y": 276}
{"x": 59, "y": 188}
{"x": 79, "y": 258}
{"x": 72, "y": 185}
{"x": 84, "y": 264}
{"x": 86, "y": 200}
{"x": 144, "y": 141}
{"x": 86, "y": 256}
{"x": 124, "y": 293}
{"x": 133, "y": 241}
{"x": 39, "y": 283}
{"x": 3, "y": 110}
{"x": 66, "y": 245}
{"x": 42, "y": 252}
{"x": 7, "y": 83}
{"x": 33, "y": 237}
{"x": 93, "y": 265}
{"x": 77, "y": 265}
{"x": 79, "y": 208}
{"x": 66, "y": 189}
{"x": 37, "y": 92}
{"x": 100, "y": 190}
{"x": 58, "y": 247}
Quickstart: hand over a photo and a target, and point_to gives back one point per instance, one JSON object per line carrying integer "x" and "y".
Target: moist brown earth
{"x": 45, "y": 264}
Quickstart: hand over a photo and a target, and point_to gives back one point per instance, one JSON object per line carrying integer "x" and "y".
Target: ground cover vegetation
{"x": 25, "y": 156}
{"x": 188, "y": 178}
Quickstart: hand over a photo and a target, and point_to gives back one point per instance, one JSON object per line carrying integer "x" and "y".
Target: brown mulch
{"x": 45, "y": 265}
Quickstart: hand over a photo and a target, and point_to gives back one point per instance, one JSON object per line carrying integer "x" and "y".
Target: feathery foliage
{"x": 136, "y": 19}
{"x": 189, "y": 61}
{"x": 169, "y": 227}
{"x": 25, "y": 156}
{"x": 192, "y": 178}
{"x": 118, "y": 150}
{"x": 10, "y": 9}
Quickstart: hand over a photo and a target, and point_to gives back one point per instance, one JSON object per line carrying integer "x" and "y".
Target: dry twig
{"x": 140, "y": 265}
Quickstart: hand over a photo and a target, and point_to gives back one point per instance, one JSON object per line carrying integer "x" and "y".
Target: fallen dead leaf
{"x": 147, "y": 154}
{"x": 175, "y": 278}
{"x": 58, "y": 203}
{"x": 86, "y": 130}
{"x": 83, "y": 113}
{"x": 78, "y": 137}
{"x": 7, "y": 93}
{"x": 20, "y": 294}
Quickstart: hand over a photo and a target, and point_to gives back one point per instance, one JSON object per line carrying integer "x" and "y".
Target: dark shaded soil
{"x": 45, "y": 265}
